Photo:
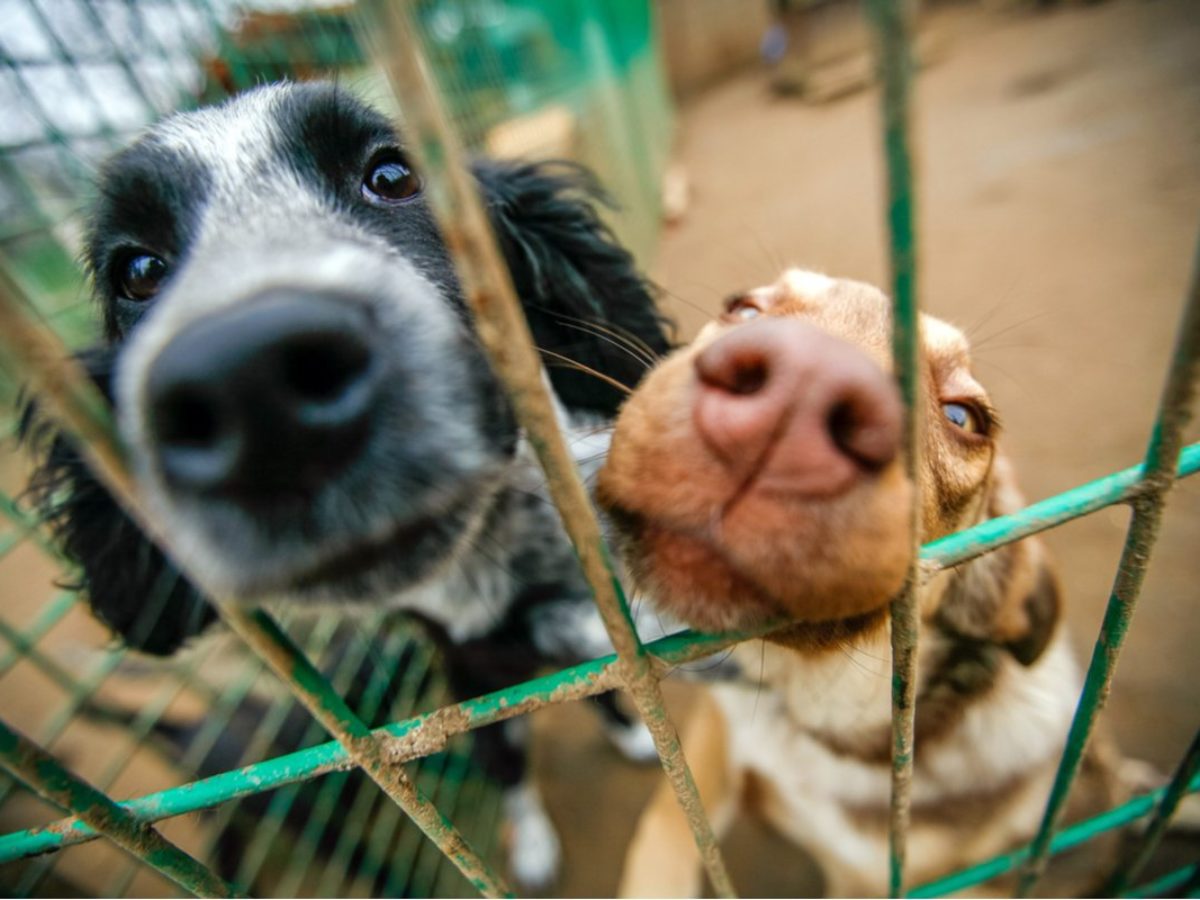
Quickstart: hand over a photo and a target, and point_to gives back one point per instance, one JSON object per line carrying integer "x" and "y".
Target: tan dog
{"x": 755, "y": 475}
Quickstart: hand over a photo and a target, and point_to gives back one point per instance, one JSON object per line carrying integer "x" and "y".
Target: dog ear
{"x": 580, "y": 289}
{"x": 130, "y": 584}
{"x": 1009, "y": 597}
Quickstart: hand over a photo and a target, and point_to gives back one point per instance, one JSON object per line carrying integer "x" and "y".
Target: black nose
{"x": 268, "y": 399}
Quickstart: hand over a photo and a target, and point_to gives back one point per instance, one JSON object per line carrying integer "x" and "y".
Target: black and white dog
{"x": 308, "y": 410}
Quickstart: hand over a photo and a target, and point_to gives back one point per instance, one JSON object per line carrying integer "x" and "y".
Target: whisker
{"x": 615, "y": 331}
{"x": 618, "y": 341}
{"x": 568, "y": 363}
{"x": 983, "y": 341}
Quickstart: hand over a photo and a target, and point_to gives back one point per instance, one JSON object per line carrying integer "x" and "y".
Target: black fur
{"x": 577, "y": 285}
{"x": 120, "y": 571}
{"x": 566, "y": 267}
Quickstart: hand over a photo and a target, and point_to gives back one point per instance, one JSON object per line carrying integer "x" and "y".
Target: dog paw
{"x": 633, "y": 741}
{"x": 534, "y": 851}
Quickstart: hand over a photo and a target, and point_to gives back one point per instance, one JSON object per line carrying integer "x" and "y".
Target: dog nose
{"x": 795, "y": 408}
{"x": 270, "y": 398}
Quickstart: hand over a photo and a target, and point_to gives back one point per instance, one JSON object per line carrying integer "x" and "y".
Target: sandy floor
{"x": 1060, "y": 196}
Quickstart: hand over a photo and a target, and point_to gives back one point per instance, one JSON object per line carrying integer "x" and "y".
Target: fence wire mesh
{"x": 292, "y": 812}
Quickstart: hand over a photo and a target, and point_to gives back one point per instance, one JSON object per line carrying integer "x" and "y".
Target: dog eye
{"x": 742, "y": 306}
{"x": 967, "y": 417}
{"x": 391, "y": 179}
{"x": 140, "y": 277}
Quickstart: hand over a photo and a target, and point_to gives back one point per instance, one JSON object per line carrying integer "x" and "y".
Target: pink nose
{"x": 795, "y": 408}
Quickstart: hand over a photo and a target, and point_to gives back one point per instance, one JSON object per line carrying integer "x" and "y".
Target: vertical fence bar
{"x": 68, "y": 395}
{"x": 892, "y": 22}
{"x": 1135, "y": 861}
{"x": 25, "y": 760}
{"x": 1158, "y": 475}
{"x": 388, "y": 28}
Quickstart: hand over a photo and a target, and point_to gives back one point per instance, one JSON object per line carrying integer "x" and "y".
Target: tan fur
{"x": 996, "y": 681}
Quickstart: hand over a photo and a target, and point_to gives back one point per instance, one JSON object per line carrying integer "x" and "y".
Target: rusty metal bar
{"x": 1158, "y": 475}
{"x": 892, "y": 20}
{"x": 429, "y": 732}
{"x": 27, "y": 761}
{"x": 311, "y": 688}
{"x": 388, "y": 29}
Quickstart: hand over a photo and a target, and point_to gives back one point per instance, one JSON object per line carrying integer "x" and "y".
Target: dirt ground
{"x": 1059, "y": 202}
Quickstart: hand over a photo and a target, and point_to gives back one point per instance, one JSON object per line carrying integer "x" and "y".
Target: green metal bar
{"x": 327, "y": 706}
{"x": 355, "y": 823}
{"x": 407, "y": 852}
{"x": 135, "y": 735}
{"x": 572, "y": 683}
{"x": 65, "y": 714}
{"x": 50, "y": 615}
{"x": 257, "y": 851}
{"x": 1070, "y": 837}
{"x": 28, "y": 527}
{"x": 489, "y": 814}
{"x": 1174, "y": 412}
{"x": 330, "y": 790}
{"x": 1135, "y": 861}
{"x": 379, "y": 843}
{"x": 418, "y": 736}
{"x": 892, "y": 23}
{"x": 25, "y": 760}
{"x": 10, "y": 542}
{"x": 1165, "y": 885}
{"x": 429, "y": 732}
{"x": 25, "y": 648}
{"x": 388, "y": 29}
{"x": 449, "y": 790}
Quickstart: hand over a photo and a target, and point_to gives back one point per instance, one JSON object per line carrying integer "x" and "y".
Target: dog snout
{"x": 269, "y": 398}
{"x": 795, "y": 407}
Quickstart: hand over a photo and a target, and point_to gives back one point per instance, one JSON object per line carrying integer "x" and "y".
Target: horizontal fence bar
{"x": 328, "y": 707}
{"x": 1136, "y": 859}
{"x": 1158, "y": 475}
{"x": 31, "y": 764}
{"x": 453, "y": 196}
{"x": 1070, "y": 837}
{"x": 428, "y": 733}
{"x": 1166, "y": 885}
{"x": 412, "y": 738}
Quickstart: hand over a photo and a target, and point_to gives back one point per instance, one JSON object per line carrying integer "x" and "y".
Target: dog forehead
{"x": 949, "y": 355}
{"x": 229, "y": 140}
{"x": 852, "y": 310}
{"x": 279, "y": 134}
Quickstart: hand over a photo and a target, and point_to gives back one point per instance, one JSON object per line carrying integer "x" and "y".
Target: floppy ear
{"x": 1009, "y": 597}
{"x": 580, "y": 289}
{"x": 131, "y": 586}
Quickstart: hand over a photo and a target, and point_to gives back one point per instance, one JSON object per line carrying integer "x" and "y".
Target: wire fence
{"x": 418, "y": 760}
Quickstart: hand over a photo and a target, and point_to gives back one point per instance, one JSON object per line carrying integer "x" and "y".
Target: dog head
{"x": 756, "y": 474}
{"x": 307, "y": 409}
